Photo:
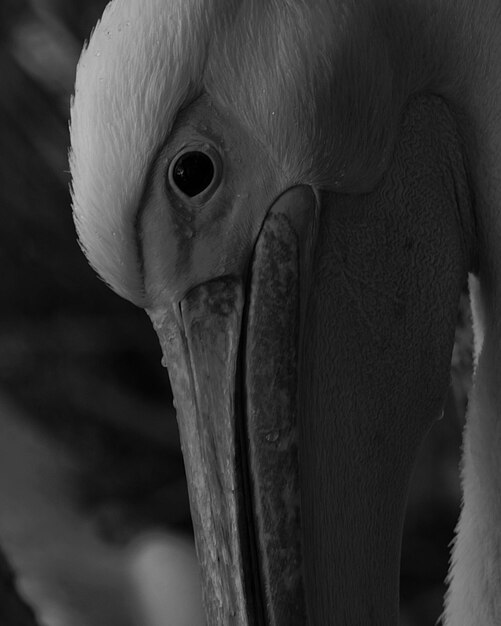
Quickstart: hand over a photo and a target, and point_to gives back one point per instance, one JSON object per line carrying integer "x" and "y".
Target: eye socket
{"x": 192, "y": 172}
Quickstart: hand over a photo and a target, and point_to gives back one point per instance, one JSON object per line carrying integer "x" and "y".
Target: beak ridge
{"x": 201, "y": 353}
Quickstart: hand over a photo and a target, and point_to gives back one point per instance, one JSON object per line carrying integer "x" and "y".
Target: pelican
{"x": 296, "y": 193}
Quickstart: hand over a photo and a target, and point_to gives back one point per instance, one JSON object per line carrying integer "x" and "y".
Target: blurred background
{"x": 93, "y": 499}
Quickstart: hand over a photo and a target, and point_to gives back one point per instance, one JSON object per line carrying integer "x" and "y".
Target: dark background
{"x": 80, "y": 368}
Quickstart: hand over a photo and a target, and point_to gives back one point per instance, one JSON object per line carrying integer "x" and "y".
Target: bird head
{"x": 226, "y": 158}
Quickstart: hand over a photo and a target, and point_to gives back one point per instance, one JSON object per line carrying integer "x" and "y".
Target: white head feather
{"x": 143, "y": 61}
{"x": 314, "y": 82}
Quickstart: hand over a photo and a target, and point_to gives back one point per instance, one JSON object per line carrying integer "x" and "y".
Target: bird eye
{"x": 192, "y": 173}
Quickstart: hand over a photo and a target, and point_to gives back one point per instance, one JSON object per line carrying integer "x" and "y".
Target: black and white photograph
{"x": 250, "y": 321}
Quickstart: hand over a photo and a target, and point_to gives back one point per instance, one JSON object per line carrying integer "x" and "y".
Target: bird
{"x": 296, "y": 193}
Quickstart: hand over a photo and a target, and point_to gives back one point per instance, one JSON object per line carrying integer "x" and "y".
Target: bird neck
{"x": 475, "y": 574}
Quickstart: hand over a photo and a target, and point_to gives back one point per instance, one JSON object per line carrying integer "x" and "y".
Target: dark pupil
{"x": 193, "y": 172}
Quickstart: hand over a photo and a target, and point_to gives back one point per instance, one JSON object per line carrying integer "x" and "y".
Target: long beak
{"x": 362, "y": 335}
{"x": 231, "y": 346}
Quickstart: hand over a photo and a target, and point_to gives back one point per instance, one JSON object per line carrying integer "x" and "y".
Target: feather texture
{"x": 143, "y": 62}
{"x": 321, "y": 85}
